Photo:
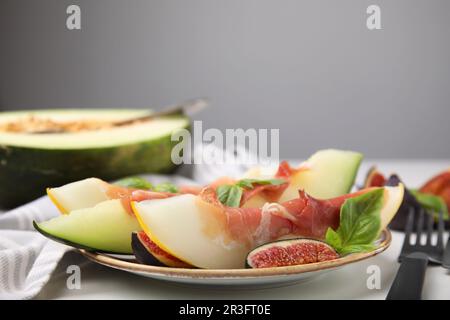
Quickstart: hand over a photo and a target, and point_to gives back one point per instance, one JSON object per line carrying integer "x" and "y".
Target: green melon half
{"x": 30, "y": 162}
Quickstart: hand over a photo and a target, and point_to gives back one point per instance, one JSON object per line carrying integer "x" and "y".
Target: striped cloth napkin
{"x": 27, "y": 259}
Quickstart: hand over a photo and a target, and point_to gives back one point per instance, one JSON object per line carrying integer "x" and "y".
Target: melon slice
{"x": 105, "y": 227}
{"x": 78, "y": 195}
{"x": 184, "y": 226}
{"x": 331, "y": 174}
{"x": 326, "y": 174}
{"x": 393, "y": 198}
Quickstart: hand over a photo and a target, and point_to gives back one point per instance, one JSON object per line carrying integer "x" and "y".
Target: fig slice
{"x": 148, "y": 252}
{"x": 374, "y": 178}
{"x": 290, "y": 252}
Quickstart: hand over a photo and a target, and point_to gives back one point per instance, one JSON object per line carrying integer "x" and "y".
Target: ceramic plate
{"x": 238, "y": 277}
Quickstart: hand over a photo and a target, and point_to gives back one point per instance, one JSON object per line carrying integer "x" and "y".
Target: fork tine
{"x": 420, "y": 226}
{"x": 409, "y": 227}
{"x": 430, "y": 224}
{"x": 440, "y": 239}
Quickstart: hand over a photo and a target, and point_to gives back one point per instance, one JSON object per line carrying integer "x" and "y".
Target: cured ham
{"x": 262, "y": 193}
{"x": 304, "y": 216}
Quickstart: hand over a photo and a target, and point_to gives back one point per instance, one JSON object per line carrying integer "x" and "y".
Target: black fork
{"x": 414, "y": 257}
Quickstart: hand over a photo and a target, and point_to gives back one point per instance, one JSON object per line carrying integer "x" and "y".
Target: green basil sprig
{"x": 360, "y": 223}
{"x": 231, "y": 195}
{"x": 431, "y": 202}
{"x": 249, "y": 183}
{"x": 166, "y": 187}
{"x": 137, "y": 182}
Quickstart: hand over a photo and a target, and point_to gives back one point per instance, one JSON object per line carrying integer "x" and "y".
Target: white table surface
{"x": 99, "y": 282}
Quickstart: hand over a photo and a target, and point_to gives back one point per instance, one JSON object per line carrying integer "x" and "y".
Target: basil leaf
{"x": 234, "y": 197}
{"x": 229, "y": 195}
{"x": 360, "y": 218}
{"x": 223, "y": 192}
{"x": 333, "y": 239}
{"x": 431, "y": 202}
{"x": 248, "y": 183}
{"x": 134, "y": 182}
{"x": 166, "y": 187}
{"x": 359, "y": 223}
{"x": 357, "y": 248}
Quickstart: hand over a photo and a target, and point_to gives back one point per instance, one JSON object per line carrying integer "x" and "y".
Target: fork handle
{"x": 408, "y": 282}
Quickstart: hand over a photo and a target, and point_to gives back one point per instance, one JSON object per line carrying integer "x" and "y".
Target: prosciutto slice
{"x": 304, "y": 217}
{"x": 271, "y": 193}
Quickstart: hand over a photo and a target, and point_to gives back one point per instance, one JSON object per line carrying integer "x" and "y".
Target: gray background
{"x": 310, "y": 68}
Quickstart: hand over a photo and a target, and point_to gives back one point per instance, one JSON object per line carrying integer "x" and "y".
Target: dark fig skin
{"x": 141, "y": 253}
{"x": 409, "y": 202}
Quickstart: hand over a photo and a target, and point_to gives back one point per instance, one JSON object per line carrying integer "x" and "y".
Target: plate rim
{"x": 385, "y": 241}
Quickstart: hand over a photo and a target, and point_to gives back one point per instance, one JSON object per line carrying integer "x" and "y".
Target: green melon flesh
{"x": 331, "y": 173}
{"x": 105, "y": 227}
{"x": 29, "y": 163}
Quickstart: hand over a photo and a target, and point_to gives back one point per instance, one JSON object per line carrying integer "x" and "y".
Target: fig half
{"x": 148, "y": 252}
{"x": 290, "y": 252}
{"x": 374, "y": 178}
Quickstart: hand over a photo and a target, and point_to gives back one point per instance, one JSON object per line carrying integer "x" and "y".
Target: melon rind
{"x": 31, "y": 163}
{"x": 106, "y": 227}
